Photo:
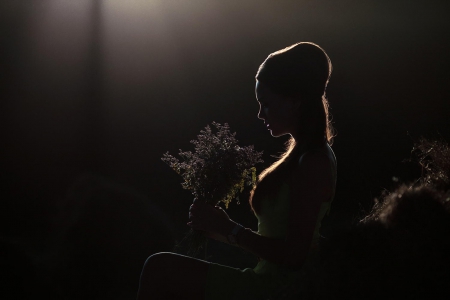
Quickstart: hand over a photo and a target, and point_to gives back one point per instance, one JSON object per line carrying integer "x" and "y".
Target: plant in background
{"x": 434, "y": 158}
{"x": 217, "y": 170}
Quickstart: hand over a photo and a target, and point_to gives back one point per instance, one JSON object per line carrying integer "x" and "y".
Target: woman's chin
{"x": 277, "y": 134}
{"x": 274, "y": 133}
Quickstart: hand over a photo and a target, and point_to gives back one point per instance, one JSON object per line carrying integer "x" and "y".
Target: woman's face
{"x": 278, "y": 112}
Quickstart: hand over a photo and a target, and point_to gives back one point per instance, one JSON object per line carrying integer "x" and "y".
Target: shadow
{"x": 105, "y": 233}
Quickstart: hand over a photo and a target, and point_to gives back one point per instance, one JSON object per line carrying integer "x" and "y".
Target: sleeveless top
{"x": 273, "y": 216}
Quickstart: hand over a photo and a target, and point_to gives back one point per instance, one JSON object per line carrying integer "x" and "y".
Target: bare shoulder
{"x": 312, "y": 174}
{"x": 313, "y": 162}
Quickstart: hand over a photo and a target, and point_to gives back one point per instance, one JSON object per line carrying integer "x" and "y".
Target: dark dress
{"x": 267, "y": 278}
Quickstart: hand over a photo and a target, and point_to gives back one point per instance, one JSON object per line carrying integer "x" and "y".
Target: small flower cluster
{"x": 219, "y": 168}
{"x": 434, "y": 158}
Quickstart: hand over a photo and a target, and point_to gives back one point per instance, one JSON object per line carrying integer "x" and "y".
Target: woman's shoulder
{"x": 313, "y": 161}
{"x": 315, "y": 165}
{"x": 316, "y": 154}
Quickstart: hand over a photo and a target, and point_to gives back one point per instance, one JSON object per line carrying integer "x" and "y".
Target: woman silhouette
{"x": 289, "y": 200}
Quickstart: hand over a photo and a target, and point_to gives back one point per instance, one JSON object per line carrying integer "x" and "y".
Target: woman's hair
{"x": 302, "y": 72}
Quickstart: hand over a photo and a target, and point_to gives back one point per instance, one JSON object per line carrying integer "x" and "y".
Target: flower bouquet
{"x": 217, "y": 171}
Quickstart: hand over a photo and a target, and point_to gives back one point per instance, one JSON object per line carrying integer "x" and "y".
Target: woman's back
{"x": 273, "y": 215}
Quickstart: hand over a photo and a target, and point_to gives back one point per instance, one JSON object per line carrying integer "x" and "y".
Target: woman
{"x": 290, "y": 199}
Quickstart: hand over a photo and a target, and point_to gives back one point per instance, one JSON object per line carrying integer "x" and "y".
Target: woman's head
{"x": 298, "y": 76}
{"x": 290, "y": 88}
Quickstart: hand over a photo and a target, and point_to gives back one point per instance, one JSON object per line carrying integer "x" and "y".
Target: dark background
{"x": 94, "y": 92}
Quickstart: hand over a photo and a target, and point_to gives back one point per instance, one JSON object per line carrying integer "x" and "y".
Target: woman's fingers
{"x": 200, "y": 208}
{"x": 196, "y": 212}
{"x": 207, "y": 218}
{"x": 195, "y": 225}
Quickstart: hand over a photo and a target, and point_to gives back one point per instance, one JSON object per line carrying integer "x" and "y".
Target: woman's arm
{"x": 311, "y": 186}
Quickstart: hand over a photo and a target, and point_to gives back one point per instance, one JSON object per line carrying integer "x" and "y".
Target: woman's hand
{"x": 212, "y": 220}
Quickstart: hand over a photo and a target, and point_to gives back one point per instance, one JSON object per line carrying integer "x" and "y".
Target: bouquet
{"x": 217, "y": 171}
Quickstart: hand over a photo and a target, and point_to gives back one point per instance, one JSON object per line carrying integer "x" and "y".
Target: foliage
{"x": 219, "y": 168}
{"x": 434, "y": 158}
